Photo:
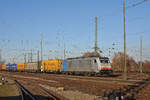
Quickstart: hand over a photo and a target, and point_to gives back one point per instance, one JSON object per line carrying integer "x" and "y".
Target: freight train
{"x": 78, "y": 65}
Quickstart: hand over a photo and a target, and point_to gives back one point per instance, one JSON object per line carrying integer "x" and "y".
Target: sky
{"x": 70, "y": 24}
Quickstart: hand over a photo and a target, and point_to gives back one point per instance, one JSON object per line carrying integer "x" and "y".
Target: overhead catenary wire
{"x": 136, "y": 4}
{"x": 117, "y": 11}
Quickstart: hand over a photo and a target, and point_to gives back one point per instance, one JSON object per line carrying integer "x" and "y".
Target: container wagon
{"x": 51, "y": 66}
{"x": 21, "y": 67}
{"x": 3, "y": 67}
{"x": 32, "y": 67}
{"x": 11, "y": 67}
{"x": 87, "y": 66}
{"x": 0, "y": 67}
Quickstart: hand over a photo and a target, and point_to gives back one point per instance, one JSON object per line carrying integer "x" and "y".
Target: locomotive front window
{"x": 95, "y": 61}
{"x": 104, "y": 61}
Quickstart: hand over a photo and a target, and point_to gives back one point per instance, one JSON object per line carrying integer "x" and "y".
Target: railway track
{"x": 74, "y": 78}
{"x": 27, "y": 95}
{"x": 91, "y": 78}
{"x": 95, "y": 78}
{"x": 130, "y": 92}
{"x": 52, "y": 94}
{"x": 108, "y": 90}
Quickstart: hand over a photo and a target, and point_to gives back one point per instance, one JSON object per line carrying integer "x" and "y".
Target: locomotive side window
{"x": 95, "y": 61}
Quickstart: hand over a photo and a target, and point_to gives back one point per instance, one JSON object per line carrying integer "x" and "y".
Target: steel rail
{"x": 52, "y": 94}
{"x": 22, "y": 94}
{"x": 48, "y": 93}
{"x": 24, "y": 90}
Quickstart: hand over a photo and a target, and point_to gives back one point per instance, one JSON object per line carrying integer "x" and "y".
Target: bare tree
{"x": 90, "y": 54}
{"x": 118, "y": 62}
{"x": 146, "y": 66}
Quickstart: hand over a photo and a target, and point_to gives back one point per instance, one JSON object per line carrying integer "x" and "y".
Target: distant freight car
{"x": 11, "y": 67}
{"x": 4, "y": 67}
{"x": 51, "y": 65}
{"x": 32, "y": 67}
{"x": 21, "y": 66}
{"x": 0, "y": 67}
{"x": 90, "y": 65}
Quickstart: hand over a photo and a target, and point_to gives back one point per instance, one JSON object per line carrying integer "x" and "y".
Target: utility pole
{"x": 64, "y": 48}
{"x": 124, "y": 21}
{"x": 31, "y": 56}
{"x": 95, "y": 48}
{"x": 13, "y": 60}
{"x": 141, "y": 54}
{"x": 25, "y": 58}
{"x": 28, "y": 57}
{"x": 38, "y": 56}
{"x": 0, "y": 56}
{"x": 41, "y": 46}
{"x": 38, "y": 60}
{"x": 64, "y": 52}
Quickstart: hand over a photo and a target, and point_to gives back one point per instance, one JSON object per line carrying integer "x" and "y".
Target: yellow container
{"x": 3, "y": 67}
{"x": 0, "y": 67}
{"x": 21, "y": 67}
{"x": 51, "y": 65}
